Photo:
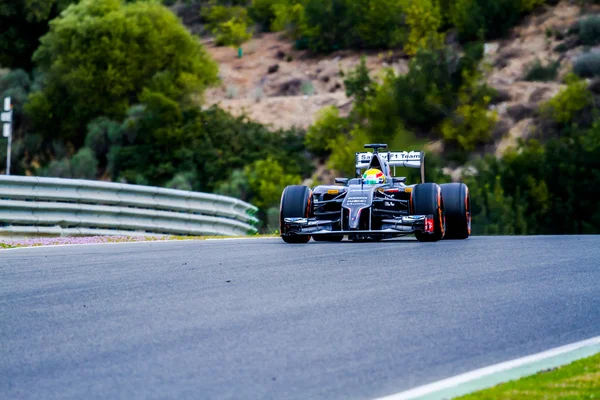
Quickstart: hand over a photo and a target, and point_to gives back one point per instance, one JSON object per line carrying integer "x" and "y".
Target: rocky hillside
{"x": 277, "y": 85}
{"x": 282, "y": 87}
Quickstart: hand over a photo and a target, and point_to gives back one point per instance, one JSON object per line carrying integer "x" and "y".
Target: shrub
{"x": 232, "y": 33}
{"x": 566, "y": 105}
{"x": 587, "y": 65}
{"x": 182, "y": 181}
{"x": 471, "y": 125}
{"x": 425, "y": 20}
{"x": 84, "y": 164}
{"x": 328, "y": 126}
{"x": 236, "y": 185}
{"x": 228, "y": 24}
{"x": 329, "y": 25}
{"x": 58, "y": 169}
{"x": 490, "y": 18}
{"x": 539, "y": 72}
{"x": 101, "y": 134}
{"x": 528, "y": 5}
{"x": 359, "y": 84}
{"x": 472, "y": 122}
{"x": 589, "y": 30}
{"x": 262, "y": 12}
{"x": 267, "y": 179}
{"x": 289, "y": 16}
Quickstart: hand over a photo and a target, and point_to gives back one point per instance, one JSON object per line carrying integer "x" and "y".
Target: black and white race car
{"x": 376, "y": 205}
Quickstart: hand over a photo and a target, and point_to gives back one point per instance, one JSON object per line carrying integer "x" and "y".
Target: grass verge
{"x": 578, "y": 380}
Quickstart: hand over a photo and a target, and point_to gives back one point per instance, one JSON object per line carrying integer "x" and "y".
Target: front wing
{"x": 396, "y": 226}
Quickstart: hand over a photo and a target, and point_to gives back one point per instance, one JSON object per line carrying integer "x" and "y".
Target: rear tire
{"x": 457, "y": 207}
{"x": 426, "y": 199}
{"x": 295, "y": 203}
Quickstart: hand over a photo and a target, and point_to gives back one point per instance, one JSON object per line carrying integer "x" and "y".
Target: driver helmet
{"x": 373, "y": 176}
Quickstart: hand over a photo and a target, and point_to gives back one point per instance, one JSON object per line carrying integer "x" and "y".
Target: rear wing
{"x": 413, "y": 159}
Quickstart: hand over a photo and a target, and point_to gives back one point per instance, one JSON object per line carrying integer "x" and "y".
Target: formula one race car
{"x": 376, "y": 205}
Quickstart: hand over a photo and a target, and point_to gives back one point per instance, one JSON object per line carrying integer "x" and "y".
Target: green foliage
{"x": 424, "y": 96}
{"x": 589, "y": 30}
{"x": 540, "y": 189}
{"x": 327, "y": 128}
{"x": 267, "y": 179}
{"x": 587, "y": 65}
{"x": 379, "y": 23}
{"x": 229, "y": 25}
{"x": 262, "y": 12}
{"x": 490, "y": 18}
{"x": 58, "y": 169}
{"x": 442, "y": 93}
{"x": 101, "y": 55}
{"x": 344, "y": 147}
{"x": 539, "y": 72}
{"x": 471, "y": 124}
{"x": 289, "y": 16}
{"x": 182, "y": 181}
{"x": 359, "y": 84}
{"x": 84, "y": 164}
{"x": 162, "y": 140}
{"x": 566, "y": 105}
{"x": 425, "y": 20}
{"x": 329, "y": 25}
{"x": 22, "y": 24}
{"x": 236, "y": 186}
{"x": 550, "y": 188}
{"x": 102, "y": 133}
{"x": 529, "y": 5}
{"x": 233, "y": 33}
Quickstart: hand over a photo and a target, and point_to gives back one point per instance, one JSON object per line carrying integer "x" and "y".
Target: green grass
{"x": 578, "y": 380}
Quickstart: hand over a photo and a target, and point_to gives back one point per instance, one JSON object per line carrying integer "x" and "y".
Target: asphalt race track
{"x": 254, "y": 319}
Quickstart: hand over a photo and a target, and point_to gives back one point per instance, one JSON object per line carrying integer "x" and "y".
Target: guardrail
{"x": 71, "y": 207}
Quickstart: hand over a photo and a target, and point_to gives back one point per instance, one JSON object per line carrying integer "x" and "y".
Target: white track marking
{"x": 490, "y": 376}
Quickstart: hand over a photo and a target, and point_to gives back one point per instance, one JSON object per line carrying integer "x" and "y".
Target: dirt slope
{"x": 282, "y": 87}
{"x": 277, "y": 85}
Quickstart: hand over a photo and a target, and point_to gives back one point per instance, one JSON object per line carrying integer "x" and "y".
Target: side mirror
{"x": 342, "y": 180}
{"x": 401, "y": 179}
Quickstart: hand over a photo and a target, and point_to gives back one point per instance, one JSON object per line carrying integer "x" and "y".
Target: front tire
{"x": 426, "y": 199}
{"x": 457, "y": 203}
{"x": 295, "y": 203}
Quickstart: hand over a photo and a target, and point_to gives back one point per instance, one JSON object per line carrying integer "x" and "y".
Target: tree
{"x": 22, "y": 23}
{"x": 101, "y": 55}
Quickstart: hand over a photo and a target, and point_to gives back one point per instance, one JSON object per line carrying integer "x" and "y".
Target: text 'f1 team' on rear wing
{"x": 413, "y": 159}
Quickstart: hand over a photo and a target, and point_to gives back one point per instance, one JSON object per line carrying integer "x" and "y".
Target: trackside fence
{"x": 76, "y": 207}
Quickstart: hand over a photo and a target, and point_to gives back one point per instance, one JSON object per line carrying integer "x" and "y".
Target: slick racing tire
{"x": 426, "y": 199}
{"x": 457, "y": 208}
{"x": 328, "y": 238}
{"x": 295, "y": 203}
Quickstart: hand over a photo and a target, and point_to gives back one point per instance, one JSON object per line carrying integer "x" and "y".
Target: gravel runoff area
{"x": 53, "y": 241}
